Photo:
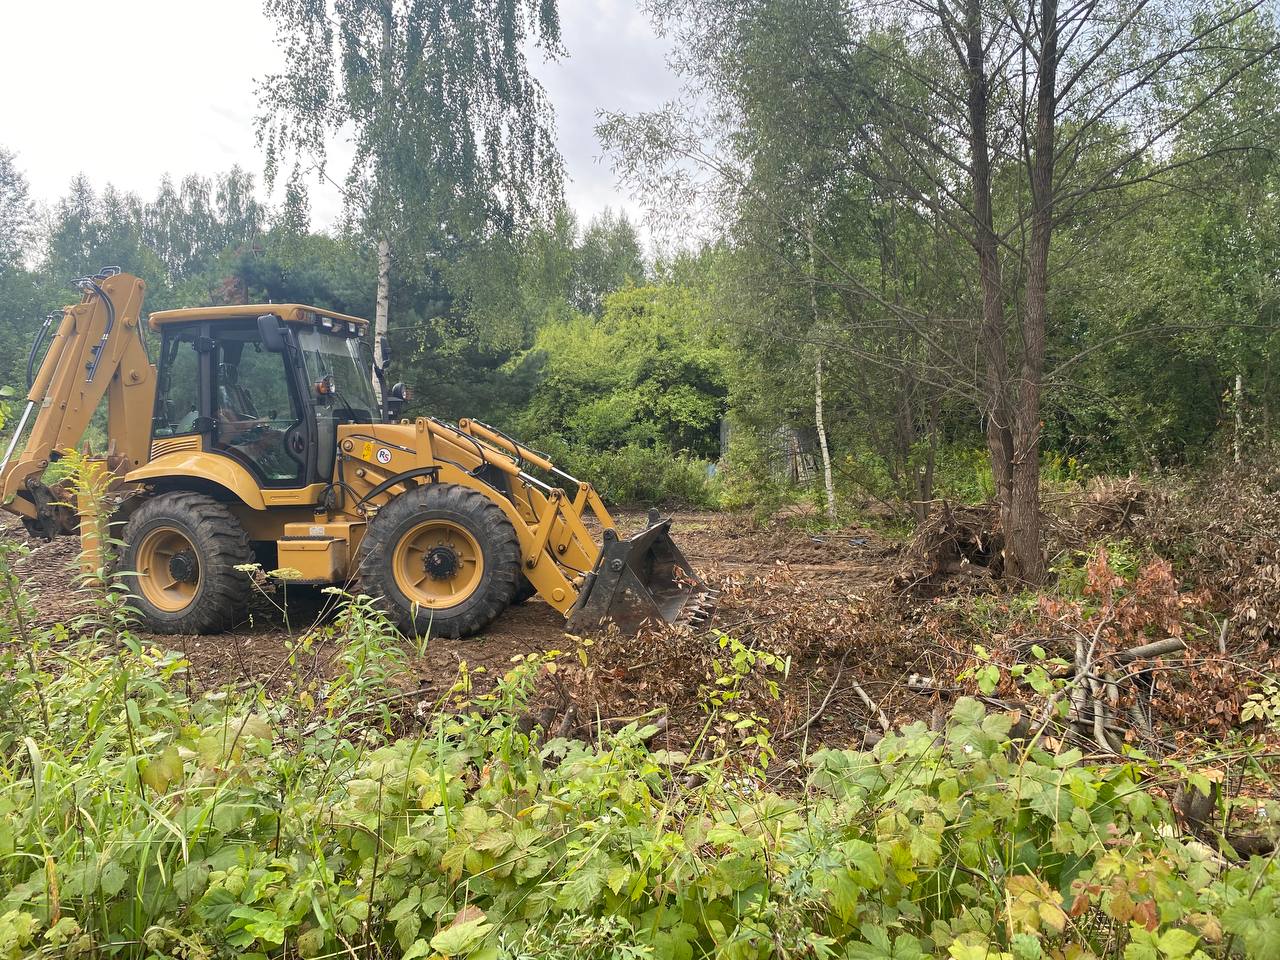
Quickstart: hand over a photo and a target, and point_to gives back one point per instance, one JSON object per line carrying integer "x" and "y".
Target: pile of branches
{"x": 1111, "y": 704}
{"x": 1099, "y": 642}
{"x": 1126, "y": 666}
{"x": 1223, "y": 532}
{"x": 846, "y": 654}
{"x": 961, "y": 544}
{"x": 956, "y": 540}
{"x": 1111, "y": 694}
{"x": 1108, "y": 507}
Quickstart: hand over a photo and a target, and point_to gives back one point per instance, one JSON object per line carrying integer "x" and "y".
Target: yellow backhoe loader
{"x": 257, "y": 436}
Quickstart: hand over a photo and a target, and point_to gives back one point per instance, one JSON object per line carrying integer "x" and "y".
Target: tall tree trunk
{"x": 1024, "y": 552}
{"x": 381, "y": 309}
{"x": 904, "y": 436}
{"x": 924, "y": 476}
{"x": 991, "y": 330}
{"x": 819, "y": 421}
{"x": 382, "y": 306}
{"x": 828, "y": 483}
{"x": 1237, "y": 442}
{"x": 1265, "y": 394}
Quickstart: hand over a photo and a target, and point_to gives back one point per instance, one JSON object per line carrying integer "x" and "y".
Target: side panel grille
{"x": 173, "y": 445}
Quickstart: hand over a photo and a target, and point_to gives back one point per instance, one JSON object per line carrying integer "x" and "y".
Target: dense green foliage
{"x": 650, "y": 371}
{"x": 141, "y": 818}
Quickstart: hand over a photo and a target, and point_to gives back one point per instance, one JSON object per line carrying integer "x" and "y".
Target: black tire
{"x": 220, "y": 593}
{"x": 525, "y": 591}
{"x": 461, "y": 507}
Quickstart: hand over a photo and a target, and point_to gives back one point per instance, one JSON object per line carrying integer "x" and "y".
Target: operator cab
{"x": 266, "y": 385}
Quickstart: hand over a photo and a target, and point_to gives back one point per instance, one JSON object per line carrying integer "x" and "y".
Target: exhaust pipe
{"x": 642, "y": 580}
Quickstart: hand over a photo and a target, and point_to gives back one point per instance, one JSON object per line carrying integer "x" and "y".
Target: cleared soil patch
{"x": 810, "y": 598}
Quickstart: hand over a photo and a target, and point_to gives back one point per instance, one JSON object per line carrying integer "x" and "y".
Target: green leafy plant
{"x": 1035, "y": 674}
{"x": 1264, "y": 703}
{"x": 141, "y": 817}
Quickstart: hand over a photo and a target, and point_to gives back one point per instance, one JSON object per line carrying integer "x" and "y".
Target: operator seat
{"x": 234, "y": 399}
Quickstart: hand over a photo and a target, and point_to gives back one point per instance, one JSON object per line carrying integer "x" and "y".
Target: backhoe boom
{"x": 97, "y": 351}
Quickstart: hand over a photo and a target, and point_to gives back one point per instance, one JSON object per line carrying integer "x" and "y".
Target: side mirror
{"x": 270, "y": 332}
{"x": 384, "y": 348}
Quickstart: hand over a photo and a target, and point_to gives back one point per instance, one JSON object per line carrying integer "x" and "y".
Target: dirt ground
{"x": 851, "y": 634}
{"x": 804, "y": 597}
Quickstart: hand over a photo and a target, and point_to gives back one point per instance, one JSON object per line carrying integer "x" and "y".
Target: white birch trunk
{"x": 1238, "y": 442}
{"x": 819, "y": 421}
{"x": 382, "y": 305}
{"x": 381, "y": 310}
{"x": 822, "y": 443}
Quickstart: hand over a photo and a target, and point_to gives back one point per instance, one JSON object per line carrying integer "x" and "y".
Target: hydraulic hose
{"x": 92, "y": 284}
{"x": 459, "y": 434}
{"x": 36, "y": 344}
{"x": 515, "y": 444}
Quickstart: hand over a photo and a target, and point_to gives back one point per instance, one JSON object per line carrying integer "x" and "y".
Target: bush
{"x": 650, "y": 371}
{"x": 639, "y": 476}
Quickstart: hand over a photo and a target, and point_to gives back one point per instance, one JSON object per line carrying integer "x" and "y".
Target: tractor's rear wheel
{"x": 443, "y": 559}
{"x": 179, "y": 561}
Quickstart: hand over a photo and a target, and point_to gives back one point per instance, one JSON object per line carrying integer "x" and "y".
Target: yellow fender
{"x": 202, "y": 466}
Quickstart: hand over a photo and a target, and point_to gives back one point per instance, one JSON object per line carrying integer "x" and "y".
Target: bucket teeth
{"x": 700, "y": 609}
{"x": 644, "y": 579}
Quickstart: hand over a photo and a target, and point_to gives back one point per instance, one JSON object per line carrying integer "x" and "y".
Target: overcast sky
{"x": 129, "y": 91}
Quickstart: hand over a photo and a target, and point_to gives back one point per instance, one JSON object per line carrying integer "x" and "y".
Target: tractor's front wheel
{"x": 179, "y": 561}
{"x": 443, "y": 559}
{"x": 525, "y": 591}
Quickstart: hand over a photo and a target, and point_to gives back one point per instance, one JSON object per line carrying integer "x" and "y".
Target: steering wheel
{"x": 255, "y": 432}
{"x": 295, "y": 444}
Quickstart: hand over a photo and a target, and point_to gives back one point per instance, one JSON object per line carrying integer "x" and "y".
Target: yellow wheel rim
{"x": 168, "y": 571}
{"x": 438, "y": 564}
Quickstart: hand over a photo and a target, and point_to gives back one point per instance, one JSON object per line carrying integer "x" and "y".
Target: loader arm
{"x": 96, "y": 351}
{"x": 630, "y": 582}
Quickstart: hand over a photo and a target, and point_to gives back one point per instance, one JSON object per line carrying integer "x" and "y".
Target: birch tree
{"x": 452, "y": 134}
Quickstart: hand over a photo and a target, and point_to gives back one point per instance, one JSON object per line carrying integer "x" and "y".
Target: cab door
{"x": 255, "y": 406}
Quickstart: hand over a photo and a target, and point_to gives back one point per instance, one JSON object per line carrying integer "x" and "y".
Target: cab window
{"x": 178, "y": 392}
{"x": 347, "y": 395}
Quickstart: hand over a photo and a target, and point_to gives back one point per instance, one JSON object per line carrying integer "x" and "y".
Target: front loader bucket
{"x": 644, "y": 579}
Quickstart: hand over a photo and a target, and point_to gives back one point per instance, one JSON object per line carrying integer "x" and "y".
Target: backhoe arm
{"x": 96, "y": 352}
